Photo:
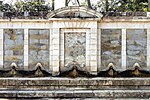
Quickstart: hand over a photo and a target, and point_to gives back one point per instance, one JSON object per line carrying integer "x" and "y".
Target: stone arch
{"x": 74, "y": 12}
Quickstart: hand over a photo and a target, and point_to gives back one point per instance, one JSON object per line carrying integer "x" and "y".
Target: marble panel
{"x": 13, "y": 47}
{"x": 110, "y": 48}
{"x": 136, "y": 47}
{"x": 75, "y": 48}
{"x": 38, "y": 48}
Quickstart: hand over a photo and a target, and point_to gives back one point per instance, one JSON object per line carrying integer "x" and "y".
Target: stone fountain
{"x": 75, "y": 52}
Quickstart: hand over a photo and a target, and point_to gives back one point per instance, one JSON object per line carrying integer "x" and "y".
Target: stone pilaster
{"x": 26, "y": 49}
{"x": 50, "y": 49}
{"x": 88, "y": 50}
{"x": 99, "y": 48}
{"x": 148, "y": 49}
{"x": 123, "y": 53}
{"x": 1, "y": 48}
{"x": 62, "y": 48}
{"x": 93, "y": 51}
{"x": 55, "y": 51}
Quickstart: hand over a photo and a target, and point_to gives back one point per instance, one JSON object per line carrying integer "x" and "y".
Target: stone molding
{"x": 63, "y": 10}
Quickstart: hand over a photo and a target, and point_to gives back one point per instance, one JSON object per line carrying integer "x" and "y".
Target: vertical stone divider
{"x": 148, "y": 48}
{"x": 50, "y": 49}
{"x": 93, "y": 51}
{"x": 99, "y": 49}
{"x": 55, "y": 51}
{"x": 88, "y": 33}
{"x": 1, "y": 48}
{"x": 26, "y": 49}
{"x": 123, "y": 49}
{"x": 62, "y": 48}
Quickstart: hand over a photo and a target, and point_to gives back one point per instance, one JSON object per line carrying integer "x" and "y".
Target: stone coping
{"x": 110, "y": 19}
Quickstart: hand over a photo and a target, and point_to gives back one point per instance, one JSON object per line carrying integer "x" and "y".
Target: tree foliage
{"x": 101, "y": 5}
{"x": 115, "y": 5}
{"x": 121, "y": 5}
{"x": 21, "y": 6}
{"x": 134, "y": 5}
{"x": 89, "y": 4}
{"x": 1, "y": 6}
{"x": 30, "y": 6}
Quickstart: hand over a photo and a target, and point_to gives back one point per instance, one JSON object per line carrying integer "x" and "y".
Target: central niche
{"x": 75, "y": 48}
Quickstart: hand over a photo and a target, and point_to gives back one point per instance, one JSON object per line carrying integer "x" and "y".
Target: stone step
{"x": 50, "y": 83}
{"x": 49, "y": 87}
{"x": 144, "y": 94}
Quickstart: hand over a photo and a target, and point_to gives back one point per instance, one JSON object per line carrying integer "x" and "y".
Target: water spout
{"x": 13, "y": 66}
{"x": 39, "y": 65}
{"x": 111, "y": 70}
{"x": 111, "y": 65}
{"x": 136, "y": 65}
{"x": 13, "y": 70}
{"x": 136, "y": 70}
{"x": 39, "y": 69}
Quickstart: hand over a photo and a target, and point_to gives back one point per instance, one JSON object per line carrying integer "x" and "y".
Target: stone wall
{"x": 76, "y": 48}
{"x": 13, "y": 47}
{"x": 120, "y": 42}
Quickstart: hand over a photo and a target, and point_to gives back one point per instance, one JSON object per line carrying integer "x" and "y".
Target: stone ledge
{"x": 78, "y": 94}
{"x": 85, "y": 83}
